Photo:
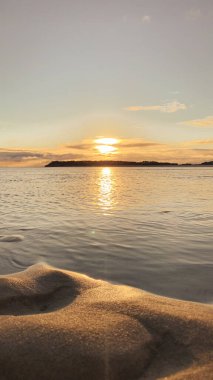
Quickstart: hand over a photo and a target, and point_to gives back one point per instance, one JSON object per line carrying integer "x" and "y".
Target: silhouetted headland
{"x": 208, "y": 163}
{"x": 105, "y": 163}
{"x": 108, "y": 163}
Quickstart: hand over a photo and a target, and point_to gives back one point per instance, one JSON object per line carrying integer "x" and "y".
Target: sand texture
{"x": 58, "y": 324}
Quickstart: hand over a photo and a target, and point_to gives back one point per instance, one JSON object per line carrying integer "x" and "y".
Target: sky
{"x": 72, "y": 72}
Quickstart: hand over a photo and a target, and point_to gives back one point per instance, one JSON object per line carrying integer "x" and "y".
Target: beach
{"x": 58, "y": 324}
{"x": 125, "y": 288}
{"x": 106, "y": 174}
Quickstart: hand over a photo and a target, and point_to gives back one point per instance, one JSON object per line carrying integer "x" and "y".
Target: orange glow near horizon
{"x": 105, "y": 145}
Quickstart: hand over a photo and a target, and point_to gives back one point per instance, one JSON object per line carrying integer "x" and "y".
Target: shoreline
{"x": 56, "y": 323}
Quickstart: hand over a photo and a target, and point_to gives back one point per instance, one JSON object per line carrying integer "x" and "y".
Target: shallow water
{"x": 147, "y": 227}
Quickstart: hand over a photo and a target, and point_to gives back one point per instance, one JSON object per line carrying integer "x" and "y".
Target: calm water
{"x": 147, "y": 227}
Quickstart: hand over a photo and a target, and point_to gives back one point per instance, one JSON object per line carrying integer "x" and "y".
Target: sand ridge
{"x": 57, "y": 324}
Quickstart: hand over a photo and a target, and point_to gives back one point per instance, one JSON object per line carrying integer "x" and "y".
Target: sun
{"x": 106, "y": 145}
{"x": 107, "y": 141}
{"x": 106, "y": 149}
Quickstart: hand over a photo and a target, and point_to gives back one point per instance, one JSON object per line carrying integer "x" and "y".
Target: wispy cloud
{"x": 27, "y": 157}
{"x": 166, "y": 108}
{"x": 205, "y": 122}
{"x": 80, "y": 146}
{"x": 199, "y": 142}
{"x": 137, "y": 143}
{"x": 19, "y": 155}
{"x": 123, "y": 143}
{"x": 146, "y": 19}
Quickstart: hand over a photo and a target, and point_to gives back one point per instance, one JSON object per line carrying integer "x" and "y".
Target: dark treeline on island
{"x": 118, "y": 163}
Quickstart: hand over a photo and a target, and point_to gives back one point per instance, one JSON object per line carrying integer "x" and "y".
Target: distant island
{"x": 208, "y": 163}
{"x": 119, "y": 163}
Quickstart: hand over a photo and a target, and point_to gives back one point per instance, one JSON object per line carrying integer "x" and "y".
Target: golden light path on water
{"x": 106, "y": 189}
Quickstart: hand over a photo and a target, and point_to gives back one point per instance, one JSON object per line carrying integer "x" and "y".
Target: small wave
{"x": 11, "y": 238}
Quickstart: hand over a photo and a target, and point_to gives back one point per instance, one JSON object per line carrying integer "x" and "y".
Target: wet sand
{"x": 58, "y": 324}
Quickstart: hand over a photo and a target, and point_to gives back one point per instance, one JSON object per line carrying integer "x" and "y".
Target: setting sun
{"x": 106, "y": 149}
{"x": 106, "y": 145}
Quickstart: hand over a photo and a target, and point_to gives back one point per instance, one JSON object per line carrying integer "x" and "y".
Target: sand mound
{"x": 57, "y": 324}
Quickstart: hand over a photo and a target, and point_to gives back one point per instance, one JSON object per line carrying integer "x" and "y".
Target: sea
{"x": 150, "y": 228}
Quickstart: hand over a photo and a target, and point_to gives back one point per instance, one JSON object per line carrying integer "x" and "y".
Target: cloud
{"x": 24, "y": 156}
{"x": 166, "y": 108}
{"x": 19, "y": 155}
{"x": 146, "y": 19}
{"x": 121, "y": 143}
{"x": 80, "y": 146}
{"x": 137, "y": 143}
{"x": 193, "y": 14}
{"x": 199, "y": 142}
{"x": 205, "y": 122}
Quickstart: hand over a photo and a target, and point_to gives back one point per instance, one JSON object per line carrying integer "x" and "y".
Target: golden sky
{"x": 73, "y": 72}
{"x": 195, "y": 151}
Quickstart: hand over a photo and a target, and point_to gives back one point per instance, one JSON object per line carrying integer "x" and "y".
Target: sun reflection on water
{"x": 106, "y": 189}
